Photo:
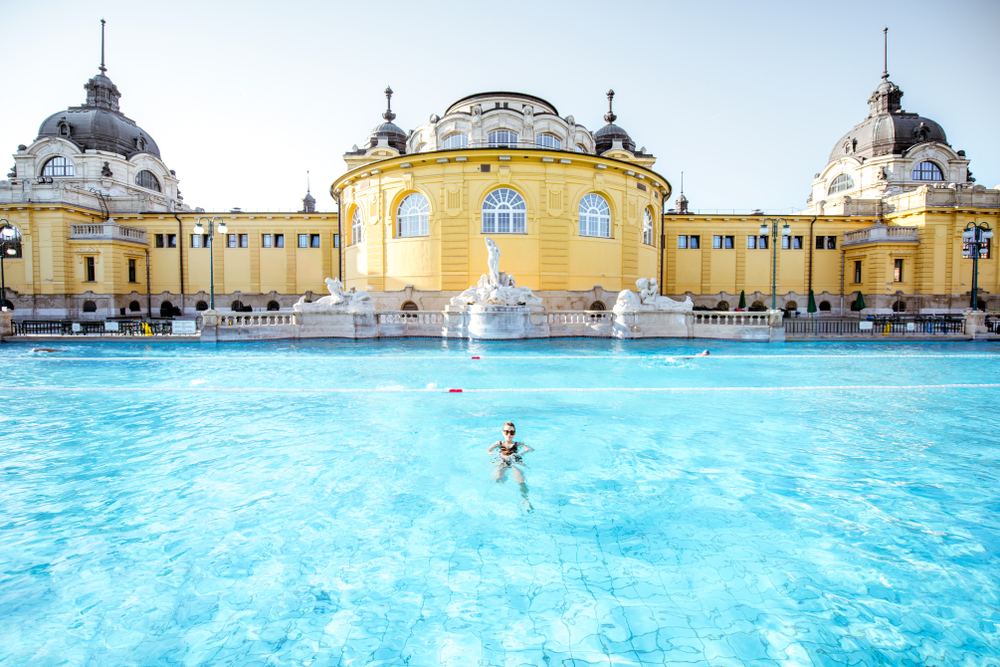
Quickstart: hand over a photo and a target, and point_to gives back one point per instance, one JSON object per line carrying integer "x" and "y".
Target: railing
{"x": 396, "y": 323}
{"x": 411, "y": 317}
{"x": 108, "y": 231}
{"x": 881, "y": 233}
{"x": 587, "y": 317}
{"x": 264, "y": 319}
{"x": 734, "y": 319}
{"x": 91, "y": 328}
{"x": 879, "y": 326}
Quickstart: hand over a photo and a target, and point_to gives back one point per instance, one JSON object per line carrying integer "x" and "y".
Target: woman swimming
{"x": 509, "y": 455}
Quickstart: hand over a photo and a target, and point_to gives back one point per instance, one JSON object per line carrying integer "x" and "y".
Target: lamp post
{"x": 7, "y": 247}
{"x": 975, "y": 238}
{"x": 199, "y": 229}
{"x": 773, "y": 231}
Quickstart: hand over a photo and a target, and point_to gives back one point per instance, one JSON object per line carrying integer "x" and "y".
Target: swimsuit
{"x": 507, "y": 454}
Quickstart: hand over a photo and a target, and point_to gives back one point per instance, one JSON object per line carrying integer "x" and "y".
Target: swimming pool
{"x": 330, "y": 504}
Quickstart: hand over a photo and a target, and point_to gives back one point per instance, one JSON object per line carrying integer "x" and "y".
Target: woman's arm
{"x": 493, "y": 446}
{"x": 523, "y": 448}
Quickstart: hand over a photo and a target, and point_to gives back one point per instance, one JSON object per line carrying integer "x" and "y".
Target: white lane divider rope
{"x": 455, "y": 357}
{"x": 491, "y": 390}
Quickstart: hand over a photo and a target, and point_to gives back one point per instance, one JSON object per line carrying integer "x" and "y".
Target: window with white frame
{"x": 595, "y": 216}
{"x": 146, "y": 179}
{"x": 504, "y": 212}
{"x": 357, "y": 226}
{"x": 841, "y": 183}
{"x": 457, "y": 140}
{"x": 548, "y": 141}
{"x": 647, "y": 227}
{"x": 502, "y": 139}
{"x": 58, "y": 166}
{"x": 927, "y": 171}
{"x": 413, "y": 216}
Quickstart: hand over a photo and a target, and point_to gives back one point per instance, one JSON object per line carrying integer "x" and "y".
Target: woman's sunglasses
{"x": 507, "y": 431}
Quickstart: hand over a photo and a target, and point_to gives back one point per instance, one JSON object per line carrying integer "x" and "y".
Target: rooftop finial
{"x": 102, "y": 68}
{"x": 610, "y": 115}
{"x": 388, "y": 115}
{"x": 682, "y": 183}
{"x": 885, "y": 52}
{"x": 308, "y": 189}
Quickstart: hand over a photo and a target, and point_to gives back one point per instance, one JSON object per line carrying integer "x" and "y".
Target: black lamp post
{"x": 199, "y": 229}
{"x": 8, "y": 246}
{"x": 976, "y": 238}
{"x": 773, "y": 231}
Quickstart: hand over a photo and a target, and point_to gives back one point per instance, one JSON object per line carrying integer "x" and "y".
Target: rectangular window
{"x": 716, "y": 241}
{"x": 279, "y": 240}
{"x": 244, "y": 240}
{"x": 820, "y": 242}
{"x": 201, "y": 241}
{"x": 159, "y": 240}
{"x": 336, "y": 240}
{"x": 763, "y": 242}
{"x": 91, "y": 271}
{"x": 230, "y": 240}
{"x": 694, "y": 242}
{"x": 796, "y": 243}
{"x": 303, "y": 240}
{"x": 131, "y": 271}
{"x": 857, "y": 272}
{"x": 682, "y": 242}
{"x": 171, "y": 240}
{"x": 196, "y": 240}
{"x": 314, "y": 240}
{"x": 265, "y": 240}
{"x": 786, "y": 242}
{"x": 897, "y": 271}
{"x": 730, "y": 242}
{"x": 831, "y": 242}
{"x": 751, "y": 243}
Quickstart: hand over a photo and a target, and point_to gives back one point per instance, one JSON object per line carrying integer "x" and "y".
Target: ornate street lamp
{"x": 8, "y": 246}
{"x": 199, "y": 229}
{"x": 773, "y": 231}
{"x": 975, "y": 239}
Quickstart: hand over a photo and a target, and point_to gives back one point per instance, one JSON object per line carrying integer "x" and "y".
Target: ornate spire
{"x": 885, "y": 53}
{"x": 887, "y": 96}
{"x": 388, "y": 115}
{"x": 610, "y": 115}
{"x": 102, "y": 67}
{"x": 308, "y": 189}
{"x": 101, "y": 92}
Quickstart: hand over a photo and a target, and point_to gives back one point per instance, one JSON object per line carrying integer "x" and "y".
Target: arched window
{"x": 548, "y": 141}
{"x": 595, "y": 216}
{"x": 457, "y": 140}
{"x": 134, "y": 307}
{"x": 722, "y": 305}
{"x": 145, "y": 179}
{"x": 899, "y": 307}
{"x": 841, "y": 183}
{"x": 580, "y": 148}
{"x": 647, "y": 228}
{"x": 58, "y": 166}
{"x": 166, "y": 309}
{"x": 357, "y": 226}
{"x": 201, "y": 305}
{"x": 927, "y": 171}
{"x": 598, "y": 305}
{"x": 504, "y": 212}
{"x": 421, "y": 147}
{"x": 409, "y": 307}
{"x": 89, "y": 307}
{"x": 824, "y": 306}
{"x": 273, "y": 305}
{"x": 413, "y": 216}
{"x": 502, "y": 139}
{"x": 236, "y": 306}
{"x": 791, "y": 305}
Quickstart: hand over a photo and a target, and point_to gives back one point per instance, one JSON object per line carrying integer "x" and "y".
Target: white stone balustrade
{"x": 881, "y": 234}
{"x": 411, "y": 317}
{"x": 108, "y": 231}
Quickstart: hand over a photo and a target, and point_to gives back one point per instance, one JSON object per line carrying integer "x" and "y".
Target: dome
{"x": 392, "y": 133}
{"x": 99, "y": 124}
{"x": 888, "y": 130}
{"x": 605, "y": 138}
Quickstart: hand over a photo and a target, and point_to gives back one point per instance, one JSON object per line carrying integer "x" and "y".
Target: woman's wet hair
{"x": 511, "y": 424}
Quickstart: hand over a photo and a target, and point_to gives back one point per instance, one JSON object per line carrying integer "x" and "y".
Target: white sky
{"x": 747, "y": 98}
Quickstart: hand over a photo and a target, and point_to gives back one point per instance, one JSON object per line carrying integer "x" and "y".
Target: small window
{"x": 413, "y": 216}
{"x": 857, "y": 272}
{"x": 244, "y": 240}
{"x": 824, "y": 306}
{"x": 409, "y": 307}
{"x": 580, "y": 148}
{"x": 764, "y": 242}
{"x": 694, "y": 242}
{"x": 897, "y": 271}
{"x": 171, "y": 240}
{"x": 91, "y": 269}
{"x": 647, "y": 227}
{"x": 273, "y": 305}
{"x": 796, "y": 243}
{"x": 58, "y": 166}
{"x": 303, "y": 240}
{"x": 265, "y": 240}
{"x": 131, "y": 271}
{"x": 314, "y": 240}
{"x": 201, "y": 241}
{"x": 842, "y": 183}
{"x": 504, "y": 212}
{"x": 595, "y": 216}
{"x": 231, "y": 240}
{"x": 791, "y": 305}
{"x": 457, "y": 140}
{"x": 548, "y": 141}
{"x": 200, "y": 306}
{"x": 899, "y": 306}
{"x": 421, "y": 147}
{"x": 717, "y": 242}
{"x": 927, "y": 171}
{"x": 722, "y": 305}
{"x": 279, "y": 240}
{"x": 236, "y": 306}
{"x": 682, "y": 242}
{"x": 597, "y": 305}
{"x": 145, "y": 179}
{"x": 820, "y": 242}
{"x": 336, "y": 240}
{"x": 751, "y": 243}
{"x": 134, "y": 307}
{"x": 357, "y": 226}
{"x": 89, "y": 307}
{"x": 166, "y": 309}
{"x": 831, "y": 242}
{"x": 786, "y": 242}
{"x": 502, "y": 139}
{"x": 159, "y": 243}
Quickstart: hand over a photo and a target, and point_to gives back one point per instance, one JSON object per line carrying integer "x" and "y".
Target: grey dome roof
{"x": 99, "y": 124}
{"x": 888, "y": 130}
{"x": 605, "y": 137}
{"x": 392, "y": 133}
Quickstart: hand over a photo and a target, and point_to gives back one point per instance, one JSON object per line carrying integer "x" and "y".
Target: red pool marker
{"x": 475, "y": 357}
{"x": 455, "y": 391}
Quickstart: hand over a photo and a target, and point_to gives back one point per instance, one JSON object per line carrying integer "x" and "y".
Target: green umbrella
{"x": 859, "y": 303}
{"x": 743, "y": 299}
{"x": 812, "y": 303}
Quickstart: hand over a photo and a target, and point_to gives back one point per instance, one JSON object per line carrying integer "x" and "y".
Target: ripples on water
{"x": 856, "y": 525}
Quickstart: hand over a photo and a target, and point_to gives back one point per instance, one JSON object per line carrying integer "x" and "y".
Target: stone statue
{"x": 649, "y": 299}
{"x": 106, "y": 170}
{"x": 496, "y": 288}
{"x": 337, "y": 301}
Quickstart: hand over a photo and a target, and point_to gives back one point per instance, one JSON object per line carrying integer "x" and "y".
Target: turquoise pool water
{"x": 331, "y": 504}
